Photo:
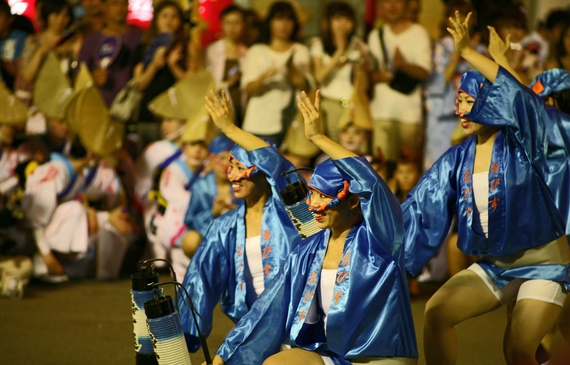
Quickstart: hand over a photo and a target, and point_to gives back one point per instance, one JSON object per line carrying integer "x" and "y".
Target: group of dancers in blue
{"x": 340, "y": 296}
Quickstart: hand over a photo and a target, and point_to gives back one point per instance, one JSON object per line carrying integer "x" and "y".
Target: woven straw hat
{"x": 52, "y": 89}
{"x": 295, "y": 141}
{"x": 358, "y": 112}
{"x": 185, "y": 99}
{"x": 97, "y": 132}
{"x": 12, "y": 111}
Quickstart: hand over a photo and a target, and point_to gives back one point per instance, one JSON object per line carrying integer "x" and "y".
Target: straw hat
{"x": 185, "y": 99}
{"x": 82, "y": 81}
{"x": 295, "y": 141}
{"x": 52, "y": 89}
{"x": 96, "y": 131}
{"x": 200, "y": 129}
{"x": 13, "y": 111}
{"x": 358, "y": 112}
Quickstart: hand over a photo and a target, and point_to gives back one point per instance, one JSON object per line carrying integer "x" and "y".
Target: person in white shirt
{"x": 274, "y": 69}
{"x": 398, "y": 116}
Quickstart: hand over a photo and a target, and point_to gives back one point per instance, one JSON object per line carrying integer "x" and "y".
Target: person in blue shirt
{"x": 495, "y": 183}
{"x": 342, "y": 296}
{"x": 11, "y": 45}
{"x": 244, "y": 249}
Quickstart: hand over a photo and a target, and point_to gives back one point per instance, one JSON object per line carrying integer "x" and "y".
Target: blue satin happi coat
{"x": 557, "y": 126}
{"x": 216, "y": 271}
{"x": 522, "y": 211}
{"x": 370, "y": 311}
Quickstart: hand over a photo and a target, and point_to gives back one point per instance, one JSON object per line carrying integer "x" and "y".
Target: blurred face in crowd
{"x": 171, "y": 128}
{"x": 58, "y": 22}
{"x": 116, "y": 11}
{"x": 413, "y": 10}
{"x": 196, "y": 153}
{"x": 168, "y": 20}
{"x": 516, "y": 33}
{"x": 353, "y": 138}
{"x": 233, "y": 25}
{"x": 392, "y": 11}
{"x": 407, "y": 176}
{"x": 282, "y": 27}
{"x": 57, "y": 128}
{"x": 92, "y": 7}
{"x": 221, "y": 163}
{"x": 254, "y": 186}
{"x": 342, "y": 25}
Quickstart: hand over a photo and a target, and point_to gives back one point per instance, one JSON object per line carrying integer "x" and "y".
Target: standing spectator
{"x": 336, "y": 56}
{"x": 562, "y": 59}
{"x": 441, "y": 88}
{"x": 55, "y": 15}
{"x": 225, "y": 58}
{"x": 162, "y": 59}
{"x": 398, "y": 116}
{"x": 93, "y": 19}
{"x": 273, "y": 70}
{"x": 11, "y": 45}
{"x": 110, "y": 78}
{"x": 556, "y": 20}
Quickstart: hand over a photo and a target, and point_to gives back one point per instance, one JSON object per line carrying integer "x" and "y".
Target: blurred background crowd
{"x": 107, "y": 152}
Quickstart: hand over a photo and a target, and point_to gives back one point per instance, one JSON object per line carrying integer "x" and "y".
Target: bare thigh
{"x": 294, "y": 357}
{"x": 463, "y": 296}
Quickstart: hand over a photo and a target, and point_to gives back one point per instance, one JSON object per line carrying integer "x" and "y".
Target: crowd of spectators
{"x": 386, "y": 95}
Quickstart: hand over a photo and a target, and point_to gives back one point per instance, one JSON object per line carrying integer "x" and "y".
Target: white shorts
{"x": 376, "y": 361}
{"x": 543, "y": 290}
{"x": 367, "y": 359}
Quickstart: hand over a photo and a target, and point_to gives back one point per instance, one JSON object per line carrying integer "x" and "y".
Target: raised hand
{"x": 498, "y": 49}
{"x": 221, "y": 111}
{"x": 311, "y": 114}
{"x": 460, "y": 32}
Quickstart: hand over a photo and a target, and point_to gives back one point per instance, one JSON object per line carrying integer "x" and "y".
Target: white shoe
{"x": 41, "y": 272}
{"x": 40, "y": 267}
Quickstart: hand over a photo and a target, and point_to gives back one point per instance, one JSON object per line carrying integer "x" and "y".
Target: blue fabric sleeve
{"x": 508, "y": 103}
{"x": 272, "y": 163}
{"x": 206, "y": 279}
{"x": 260, "y": 333}
{"x": 380, "y": 207}
{"x": 428, "y": 212}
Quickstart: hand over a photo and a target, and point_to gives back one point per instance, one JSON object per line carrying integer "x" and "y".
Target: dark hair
{"x": 510, "y": 16}
{"x": 560, "y": 49}
{"x": 77, "y": 149}
{"x": 54, "y": 6}
{"x": 232, "y": 9}
{"x": 152, "y": 31}
{"x": 562, "y": 98}
{"x": 5, "y": 8}
{"x": 279, "y": 9}
{"x": 556, "y": 18}
{"x": 336, "y": 8}
{"x": 21, "y": 22}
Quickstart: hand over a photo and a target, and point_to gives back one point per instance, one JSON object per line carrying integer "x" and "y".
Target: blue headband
{"x": 220, "y": 144}
{"x": 241, "y": 156}
{"x": 551, "y": 81}
{"x": 471, "y": 83}
{"x": 328, "y": 181}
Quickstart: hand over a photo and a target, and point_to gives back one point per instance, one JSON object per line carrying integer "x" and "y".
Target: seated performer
{"x": 342, "y": 296}
{"x": 495, "y": 183}
{"x": 243, "y": 250}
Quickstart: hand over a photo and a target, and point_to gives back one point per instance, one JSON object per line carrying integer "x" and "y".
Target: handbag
{"x": 126, "y": 104}
{"x": 401, "y": 81}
